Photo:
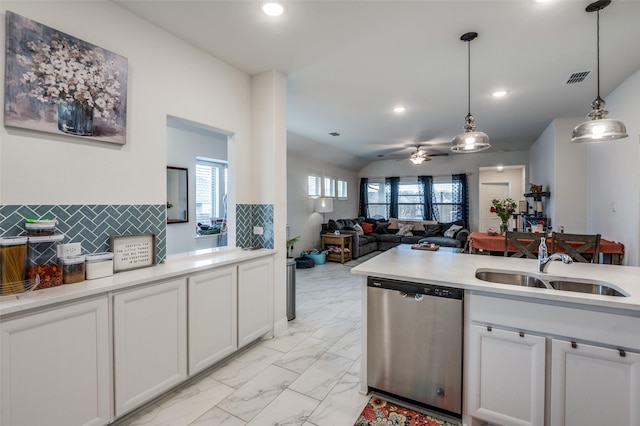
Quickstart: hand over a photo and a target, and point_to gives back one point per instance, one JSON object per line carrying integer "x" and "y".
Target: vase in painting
{"x": 76, "y": 118}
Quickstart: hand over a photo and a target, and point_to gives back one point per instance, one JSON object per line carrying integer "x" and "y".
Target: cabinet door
{"x": 55, "y": 366}
{"x": 150, "y": 342}
{"x": 213, "y": 313}
{"x": 592, "y": 385}
{"x": 506, "y": 377}
{"x": 255, "y": 300}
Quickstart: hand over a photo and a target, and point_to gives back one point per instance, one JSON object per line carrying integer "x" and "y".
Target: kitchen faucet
{"x": 544, "y": 260}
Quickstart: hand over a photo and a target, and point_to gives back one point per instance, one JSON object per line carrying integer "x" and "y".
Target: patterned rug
{"x": 379, "y": 412}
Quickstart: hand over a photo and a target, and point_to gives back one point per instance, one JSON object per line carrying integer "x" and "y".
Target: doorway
{"x": 498, "y": 183}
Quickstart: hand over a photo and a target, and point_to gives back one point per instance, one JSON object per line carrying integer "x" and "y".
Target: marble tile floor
{"x": 307, "y": 375}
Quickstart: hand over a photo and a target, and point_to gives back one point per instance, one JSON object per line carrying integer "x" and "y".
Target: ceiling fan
{"x": 421, "y": 155}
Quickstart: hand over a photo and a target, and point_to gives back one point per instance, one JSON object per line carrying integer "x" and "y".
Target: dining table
{"x": 482, "y": 243}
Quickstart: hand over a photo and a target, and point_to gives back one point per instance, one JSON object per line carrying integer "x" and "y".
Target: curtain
{"x": 426, "y": 193}
{"x": 363, "y": 207}
{"x": 460, "y": 198}
{"x": 391, "y": 188}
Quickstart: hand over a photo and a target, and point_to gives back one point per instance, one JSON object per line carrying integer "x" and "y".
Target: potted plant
{"x": 290, "y": 243}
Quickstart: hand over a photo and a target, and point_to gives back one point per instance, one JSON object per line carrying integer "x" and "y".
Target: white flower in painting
{"x": 61, "y": 71}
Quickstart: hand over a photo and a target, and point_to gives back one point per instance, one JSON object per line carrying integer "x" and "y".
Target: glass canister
{"x": 13, "y": 256}
{"x": 40, "y": 227}
{"x": 42, "y": 260}
{"x": 72, "y": 269}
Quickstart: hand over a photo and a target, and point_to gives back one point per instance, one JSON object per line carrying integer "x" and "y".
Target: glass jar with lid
{"x": 13, "y": 256}
{"x": 42, "y": 260}
{"x": 72, "y": 269}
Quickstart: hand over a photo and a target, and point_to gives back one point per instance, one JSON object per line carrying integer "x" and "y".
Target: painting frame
{"x": 57, "y": 83}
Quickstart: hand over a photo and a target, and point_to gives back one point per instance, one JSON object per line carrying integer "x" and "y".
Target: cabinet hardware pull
{"x": 622, "y": 353}
{"x": 521, "y": 334}
{"x": 574, "y": 345}
{"x": 488, "y": 328}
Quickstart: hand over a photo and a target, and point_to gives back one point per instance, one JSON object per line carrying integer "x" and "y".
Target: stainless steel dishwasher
{"x": 414, "y": 342}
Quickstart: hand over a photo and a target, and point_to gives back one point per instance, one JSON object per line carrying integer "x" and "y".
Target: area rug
{"x": 379, "y": 412}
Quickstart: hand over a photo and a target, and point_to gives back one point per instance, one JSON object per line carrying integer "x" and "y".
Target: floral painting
{"x": 57, "y": 83}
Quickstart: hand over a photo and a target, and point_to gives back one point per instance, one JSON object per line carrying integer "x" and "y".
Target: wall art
{"x": 57, "y": 83}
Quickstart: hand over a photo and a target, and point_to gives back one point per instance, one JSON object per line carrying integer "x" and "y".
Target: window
{"x": 211, "y": 189}
{"x": 342, "y": 189}
{"x": 329, "y": 187}
{"x": 377, "y": 206}
{"x": 410, "y": 201}
{"x": 314, "y": 186}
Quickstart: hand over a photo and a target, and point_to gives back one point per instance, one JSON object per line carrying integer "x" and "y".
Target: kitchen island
{"x": 532, "y": 356}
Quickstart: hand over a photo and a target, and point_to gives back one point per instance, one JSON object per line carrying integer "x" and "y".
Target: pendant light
{"x": 470, "y": 140}
{"x": 599, "y": 128}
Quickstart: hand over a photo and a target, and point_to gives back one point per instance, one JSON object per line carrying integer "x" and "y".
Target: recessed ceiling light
{"x": 499, "y": 93}
{"x": 500, "y": 168}
{"x": 272, "y": 8}
{"x": 399, "y": 109}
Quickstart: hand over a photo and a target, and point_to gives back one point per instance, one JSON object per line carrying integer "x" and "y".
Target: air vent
{"x": 577, "y": 77}
{"x": 334, "y": 134}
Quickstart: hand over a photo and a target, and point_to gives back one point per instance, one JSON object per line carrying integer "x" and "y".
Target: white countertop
{"x": 175, "y": 266}
{"x": 458, "y": 270}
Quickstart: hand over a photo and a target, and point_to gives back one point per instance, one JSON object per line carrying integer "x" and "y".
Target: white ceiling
{"x": 350, "y": 62}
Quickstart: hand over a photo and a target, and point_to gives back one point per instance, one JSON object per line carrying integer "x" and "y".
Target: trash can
{"x": 291, "y": 289}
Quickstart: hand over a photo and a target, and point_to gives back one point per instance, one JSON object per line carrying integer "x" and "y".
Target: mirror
{"x": 177, "y": 195}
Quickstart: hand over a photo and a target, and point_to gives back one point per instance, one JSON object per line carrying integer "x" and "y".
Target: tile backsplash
{"x": 91, "y": 225}
{"x": 250, "y": 215}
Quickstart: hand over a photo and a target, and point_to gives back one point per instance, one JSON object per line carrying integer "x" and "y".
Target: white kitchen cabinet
{"x": 593, "y": 385}
{"x": 55, "y": 366}
{"x": 255, "y": 300}
{"x": 506, "y": 376}
{"x": 150, "y": 342}
{"x": 213, "y": 317}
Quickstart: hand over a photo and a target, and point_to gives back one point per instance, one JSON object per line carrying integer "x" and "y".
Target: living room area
{"x": 594, "y": 188}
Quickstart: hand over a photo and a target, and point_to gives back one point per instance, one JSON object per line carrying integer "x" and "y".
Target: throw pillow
{"x": 451, "y": 232}
{"x": 367, "y": 227}
{"x": 393, "y": 223}
{"x": 404, "y": 230}
{"x": 332, "y": 225}
{"x": 358, "y": 229}
{"x": 381, "y": 228}
{"x": 431, "y": 230}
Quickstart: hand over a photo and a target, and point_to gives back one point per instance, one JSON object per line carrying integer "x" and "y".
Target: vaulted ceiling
{"x": 348, "y": 63}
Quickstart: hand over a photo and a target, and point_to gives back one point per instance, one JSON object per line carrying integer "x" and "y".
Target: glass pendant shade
{"x": 470, "y": 140}
{"x": 599, "y": 128}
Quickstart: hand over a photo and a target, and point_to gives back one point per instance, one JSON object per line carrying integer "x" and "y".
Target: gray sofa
{"x": 385, "y": 235}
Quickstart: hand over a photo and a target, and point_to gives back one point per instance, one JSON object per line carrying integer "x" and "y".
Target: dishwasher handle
{"x": 416, "y": 296}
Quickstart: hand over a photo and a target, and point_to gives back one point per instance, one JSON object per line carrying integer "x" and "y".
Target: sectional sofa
{"x": 375, "y": 234}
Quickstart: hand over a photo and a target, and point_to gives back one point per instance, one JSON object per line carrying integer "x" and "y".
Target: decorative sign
{"x": 133, "y": 251}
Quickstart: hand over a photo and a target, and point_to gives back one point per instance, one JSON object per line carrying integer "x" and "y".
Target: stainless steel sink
{"x": 549, "y": 282}
{"x": 509, "y": 277}
{"x": 585, "y": 287}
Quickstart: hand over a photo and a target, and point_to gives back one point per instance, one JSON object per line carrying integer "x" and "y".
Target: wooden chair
{"x": 561, "y": 242}
{"x": 523, "y": 251}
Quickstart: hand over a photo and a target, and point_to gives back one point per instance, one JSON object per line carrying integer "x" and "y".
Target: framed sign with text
{"x": 133, "y": 251}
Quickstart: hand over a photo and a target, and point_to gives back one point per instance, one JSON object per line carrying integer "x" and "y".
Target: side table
{"x": 339, "y": 247}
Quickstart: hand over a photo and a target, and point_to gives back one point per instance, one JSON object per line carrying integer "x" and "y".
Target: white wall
{"x": 301, "y": 218}
{"x": 166, "y": 77}
{"x": 448, "y": 165}
{"x": 614, "y": 175}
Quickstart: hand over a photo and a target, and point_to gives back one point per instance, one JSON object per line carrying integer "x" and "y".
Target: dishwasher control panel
{"x": 415, "y": 288}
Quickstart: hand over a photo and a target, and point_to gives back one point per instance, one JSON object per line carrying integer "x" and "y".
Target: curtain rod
{"x": 413, "y": 176}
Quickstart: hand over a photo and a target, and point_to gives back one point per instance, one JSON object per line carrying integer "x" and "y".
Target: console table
{"x": 341, "y": 244}
{"x": 611, "y": 251}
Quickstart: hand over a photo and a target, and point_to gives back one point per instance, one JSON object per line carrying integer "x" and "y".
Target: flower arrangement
{"x": 63, "y": 71}
{"x": 504, "y": 209}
